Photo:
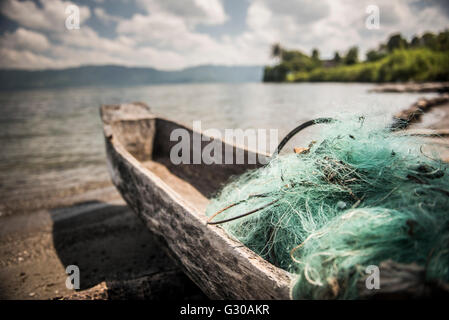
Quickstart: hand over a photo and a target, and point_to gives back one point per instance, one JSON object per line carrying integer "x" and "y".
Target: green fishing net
{"x": 359, "y": 196}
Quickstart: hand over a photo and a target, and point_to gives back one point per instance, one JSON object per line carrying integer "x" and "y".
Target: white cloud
{"x": 301, "y": 11}
{"x": 164, "y": 30}
{"x": 51, "y": 17}
{"x": 192, "y": 11}
{"x": 259, "y": 16}
{"x": 214, "y": 11}
{"x": 104, "y": 16}
{"x": 24, "y": 59}
{"x": 23, "y": 39}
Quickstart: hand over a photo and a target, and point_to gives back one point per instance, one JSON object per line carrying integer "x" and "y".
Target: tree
{"x": 416, "y": 42}
{"x": 443, "y": 40}
{"x": 276, "y": 51}
{"x": 373, "y": 55}
{"x": 352, "y": 57}
{"x": 315, "y": 54}
{"x": 396, "y": 41}
{"x": 337, "y": 58}
{"x": 296, "y": 60}
{"x": 429, "y": 40}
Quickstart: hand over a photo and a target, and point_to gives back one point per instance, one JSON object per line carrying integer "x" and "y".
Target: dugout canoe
{"x": 171, "y": 200}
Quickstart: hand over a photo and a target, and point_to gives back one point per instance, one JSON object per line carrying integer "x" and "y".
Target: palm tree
{"x": 276, "y": 51}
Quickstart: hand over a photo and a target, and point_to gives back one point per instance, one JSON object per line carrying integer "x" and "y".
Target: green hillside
{"x": 424, "y": 58}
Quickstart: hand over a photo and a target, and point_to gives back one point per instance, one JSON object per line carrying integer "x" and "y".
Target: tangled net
{"x": 359, "y": 196}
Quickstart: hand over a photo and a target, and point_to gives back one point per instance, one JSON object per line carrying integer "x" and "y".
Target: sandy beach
{"x": 94, "y": 229}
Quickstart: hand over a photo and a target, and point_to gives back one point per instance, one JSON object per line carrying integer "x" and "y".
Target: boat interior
{"x": 148, "y": 140}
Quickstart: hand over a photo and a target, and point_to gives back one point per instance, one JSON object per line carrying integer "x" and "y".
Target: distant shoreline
{"x": 111, "y": 75}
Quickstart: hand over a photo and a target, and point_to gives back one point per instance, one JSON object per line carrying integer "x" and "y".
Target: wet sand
{"x": 117, "y": 256}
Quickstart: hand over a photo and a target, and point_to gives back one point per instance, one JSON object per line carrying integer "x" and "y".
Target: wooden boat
{"x": 171, "y": 200}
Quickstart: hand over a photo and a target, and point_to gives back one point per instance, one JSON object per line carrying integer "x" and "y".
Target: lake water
{"x": 52, "y": 139}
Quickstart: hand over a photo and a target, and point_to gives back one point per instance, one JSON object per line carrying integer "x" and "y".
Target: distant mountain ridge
{"x": 110, "y": 75}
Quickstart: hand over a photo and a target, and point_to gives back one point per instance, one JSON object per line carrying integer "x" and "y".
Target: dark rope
{"x": 299, "y": 128}
{"x": 261, "y": 195}
{"x": 242, "y": 215}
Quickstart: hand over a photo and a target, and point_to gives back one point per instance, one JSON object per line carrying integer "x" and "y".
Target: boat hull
{"x": 221, "y": 266}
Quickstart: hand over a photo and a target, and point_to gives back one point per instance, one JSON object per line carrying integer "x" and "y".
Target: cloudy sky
{"x": 173, "y": 34}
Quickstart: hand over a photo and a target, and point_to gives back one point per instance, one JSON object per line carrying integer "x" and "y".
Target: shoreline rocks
{"x": 440, "y": 87}
{"x": 413, "y": 114}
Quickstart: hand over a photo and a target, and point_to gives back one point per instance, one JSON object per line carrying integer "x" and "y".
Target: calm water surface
{"x": 53, "y": 138}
